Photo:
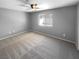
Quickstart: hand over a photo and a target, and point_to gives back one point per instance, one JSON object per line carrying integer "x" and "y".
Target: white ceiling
{"x": 43, "y": 4}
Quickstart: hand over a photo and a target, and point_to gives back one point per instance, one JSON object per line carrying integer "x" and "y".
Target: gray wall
{"x": 13, "y": 22}
{"x": 63, "y": 21}
{"x": 77, "y": 41}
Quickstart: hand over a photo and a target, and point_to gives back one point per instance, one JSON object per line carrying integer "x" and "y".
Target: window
{"x": 45, "y": 20}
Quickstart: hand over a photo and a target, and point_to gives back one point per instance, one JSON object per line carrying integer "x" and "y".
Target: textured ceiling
{"x": 43, "y": 4}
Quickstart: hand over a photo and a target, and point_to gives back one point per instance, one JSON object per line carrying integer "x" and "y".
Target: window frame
{"x": 45, "y": 18}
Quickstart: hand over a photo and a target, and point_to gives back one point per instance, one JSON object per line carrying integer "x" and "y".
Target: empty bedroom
{"x": 39, "y": 29}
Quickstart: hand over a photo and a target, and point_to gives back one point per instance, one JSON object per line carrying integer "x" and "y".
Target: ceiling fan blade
{"x": 27, "y": 7}
{"x": 24, "y": 1}
{"x": 24, "y": 5}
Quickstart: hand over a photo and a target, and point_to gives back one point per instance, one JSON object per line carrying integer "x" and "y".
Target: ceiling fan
{"x": 33, "y": 4}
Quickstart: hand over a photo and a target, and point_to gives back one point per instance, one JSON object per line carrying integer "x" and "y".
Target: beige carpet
{"x": 36, "y": 46}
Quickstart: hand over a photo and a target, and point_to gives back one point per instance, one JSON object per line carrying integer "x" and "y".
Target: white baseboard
{"x": 46, "y": 34}
{"x": 12, "y": 35}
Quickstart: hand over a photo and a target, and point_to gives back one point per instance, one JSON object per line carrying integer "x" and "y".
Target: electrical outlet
{"x": 64, "y": 35}
{"x": 10, "y": 32}
{"x": 13, "y": 31}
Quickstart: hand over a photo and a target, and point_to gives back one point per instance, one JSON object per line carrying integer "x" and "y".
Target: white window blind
{"x": 45, "y": 20}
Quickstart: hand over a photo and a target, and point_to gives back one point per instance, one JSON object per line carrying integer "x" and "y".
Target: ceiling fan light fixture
{"x": 33, "y": 6}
